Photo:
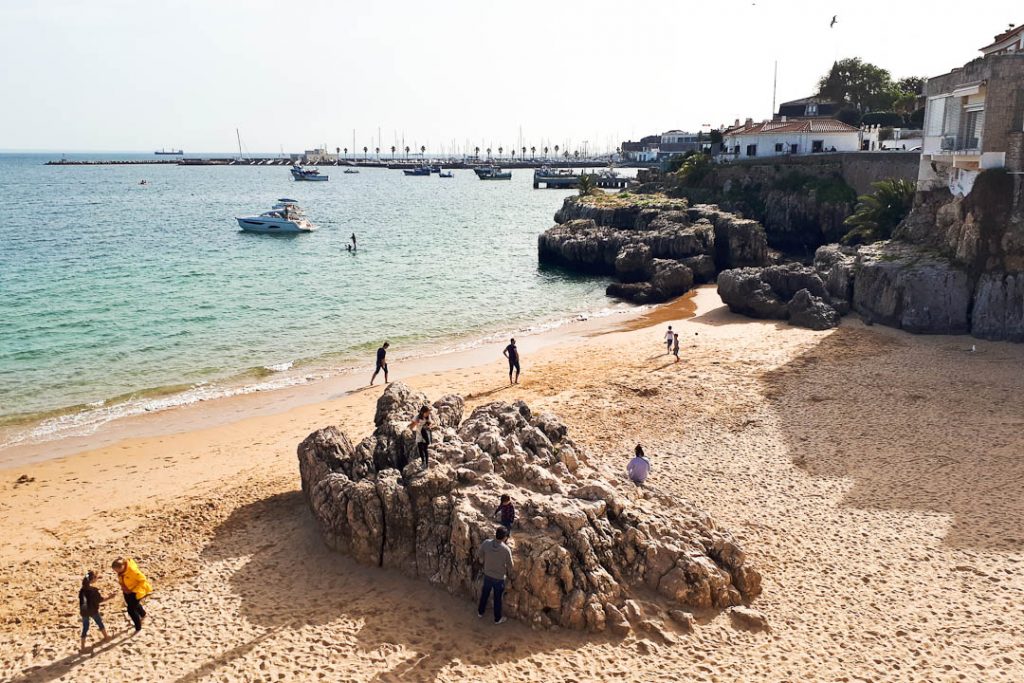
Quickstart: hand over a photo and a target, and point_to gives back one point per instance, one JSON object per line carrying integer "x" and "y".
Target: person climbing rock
{"x": 421, "y": 427}
{"x": 506, "y": 513}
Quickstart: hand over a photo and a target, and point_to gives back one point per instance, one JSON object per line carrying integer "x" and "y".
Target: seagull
{"x": 834, "y": 17}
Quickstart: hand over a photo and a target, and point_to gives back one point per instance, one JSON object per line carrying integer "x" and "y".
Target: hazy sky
{"x": 143, "y": 74}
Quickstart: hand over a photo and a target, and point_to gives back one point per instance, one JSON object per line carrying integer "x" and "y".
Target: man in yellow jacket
{"x": 135, "y": 587}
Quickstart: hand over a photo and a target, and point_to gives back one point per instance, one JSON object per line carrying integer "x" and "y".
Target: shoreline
{"x": 308, "y": 385}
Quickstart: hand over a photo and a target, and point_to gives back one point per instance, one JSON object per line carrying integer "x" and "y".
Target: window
{"x": 817, "y": 146}
{"x": 751, "y": 150}
{"x": 811, "y": 110}
{"x": 794, "y": 148}
{"x": 778, "y": 146}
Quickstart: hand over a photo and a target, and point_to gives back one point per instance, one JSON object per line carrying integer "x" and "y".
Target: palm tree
{"x": 346, "y": 151}
{"x": 423, "y": 150}
{"x": 523, "y": 155}
{"x": 407, "y": 151}
{"x": 556, "y": 150}
{"x": 877, "y": 214}
{"x": 392, "y": 152}
{"x": 566, "y": 155}
{"x": 587, "y": 184}
{"x": 545, "y": 152}
{"x": 513, "y": 155}
{"x": 533, "y": 152}
{"x": 476, "y": 152}
{"x": 365, "y": 150}
{"x": 337, "y": 150}
{"x": 376, "y": 150}
{"x": 500, "y": 150}
{"x": 488, "y": 152}
{"x": 576, "y": 154}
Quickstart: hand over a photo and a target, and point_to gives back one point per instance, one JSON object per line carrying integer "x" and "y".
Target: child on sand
{"x": 506, "y": 513}
{"x": 89, "y": 599}
{"x": 675, "y": 347}
{"x": 135, "y": 587}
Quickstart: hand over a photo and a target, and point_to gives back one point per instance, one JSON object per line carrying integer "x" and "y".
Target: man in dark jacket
{"x": 497, "y": 559}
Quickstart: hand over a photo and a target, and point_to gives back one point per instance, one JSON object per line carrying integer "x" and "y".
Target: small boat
{"x": 493, "y": 173}
{"x": 287, "y": 217}
{"x": 435, "y": 169}
{"x": 445, "y": 174}
{"x": 422, "y": 170}
{"x": 300, "y": 173}
{"x": 175, "y": 152}
{"x": 351, "y": 170}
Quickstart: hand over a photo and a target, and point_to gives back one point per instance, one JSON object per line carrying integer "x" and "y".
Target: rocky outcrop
{"x": 835, "y": 265}
{"x": 785, "y": 292}
{"x": 584, "y": 545}
{"x": 633, "y": 242}
{"x": 998, "y": 311}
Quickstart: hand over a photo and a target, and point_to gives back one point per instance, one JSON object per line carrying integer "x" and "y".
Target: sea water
{"x": 118, "y": 297}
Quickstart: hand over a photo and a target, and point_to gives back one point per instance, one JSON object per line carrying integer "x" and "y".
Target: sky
{"x": 119, "y": 75}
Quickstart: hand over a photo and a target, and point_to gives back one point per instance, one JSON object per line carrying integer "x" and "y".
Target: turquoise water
{"x": 117, "y": 297}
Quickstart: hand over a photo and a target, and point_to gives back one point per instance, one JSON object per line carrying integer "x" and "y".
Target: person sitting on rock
{"x": 506, "y": 513}
{"x": 639, "y": 467}
{"x": 497, "y": 559}
{"x": 421, "y": 427}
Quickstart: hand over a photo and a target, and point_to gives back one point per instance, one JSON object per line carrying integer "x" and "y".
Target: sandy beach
{"x": 875, "y": 478}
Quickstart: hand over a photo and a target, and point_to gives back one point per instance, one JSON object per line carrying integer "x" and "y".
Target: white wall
{"x": 843, "y": 142}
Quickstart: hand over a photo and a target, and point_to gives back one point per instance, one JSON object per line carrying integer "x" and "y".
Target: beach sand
{"x": 875, "y": 478}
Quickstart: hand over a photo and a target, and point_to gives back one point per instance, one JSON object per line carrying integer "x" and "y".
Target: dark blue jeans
{"x": 498, "y": 586}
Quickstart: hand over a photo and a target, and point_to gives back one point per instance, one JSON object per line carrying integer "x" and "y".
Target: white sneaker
{"x": 501, "y": 621}
{"x": 480, "y": 615}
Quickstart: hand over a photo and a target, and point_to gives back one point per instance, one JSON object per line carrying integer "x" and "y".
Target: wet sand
{"x": 874, "y": 476}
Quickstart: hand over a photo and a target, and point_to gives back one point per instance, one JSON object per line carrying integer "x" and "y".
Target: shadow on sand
{"x": 917, "y": 423}
{"x": 64, "y": 667}
{"x": 294, "y": 581}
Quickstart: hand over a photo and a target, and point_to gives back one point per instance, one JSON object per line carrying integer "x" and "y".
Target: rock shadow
{"x": 916, "y": 422}
{"x": 721, "y": 316}
{"x": 293, "y": 580}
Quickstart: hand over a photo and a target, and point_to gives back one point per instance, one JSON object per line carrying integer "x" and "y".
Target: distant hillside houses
{"x": 658, "y": 147}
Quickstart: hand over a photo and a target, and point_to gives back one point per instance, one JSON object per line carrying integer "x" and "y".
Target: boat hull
{"x": 282, "y": 227}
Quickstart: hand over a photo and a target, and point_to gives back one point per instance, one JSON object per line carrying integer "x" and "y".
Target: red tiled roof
{"x": 1003, "y": 36}
{"x": 801, "y": 126}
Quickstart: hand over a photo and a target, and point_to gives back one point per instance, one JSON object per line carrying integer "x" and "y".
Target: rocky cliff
{"x": 585, "y": 542}
{"x": 656, "y": 247}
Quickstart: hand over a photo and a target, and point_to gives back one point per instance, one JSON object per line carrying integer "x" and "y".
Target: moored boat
{"x": 300, "y": 173}
{"x": 493, "y": 173}
{"x": 422, "y": 170}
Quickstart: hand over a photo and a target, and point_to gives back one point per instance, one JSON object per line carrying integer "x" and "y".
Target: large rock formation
{"x": 656, "y": 248}
{"x": 785, "y": 292}
{"x": 584, "y": 543}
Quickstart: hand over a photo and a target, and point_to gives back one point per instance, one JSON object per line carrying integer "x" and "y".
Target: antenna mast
{"x": 775, "y": 83}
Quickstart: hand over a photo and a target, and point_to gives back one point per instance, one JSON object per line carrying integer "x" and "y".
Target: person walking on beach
{"x": 135, "y": 587}
{"x": 512, "y": 353}
{"x": 89, "y": 599}
{"x": 421, "y": 427}
{"x": 669, "y": 338}
{"x": 382, "y": 363}
{"x": 506, "y": 513}
{"x": 639, "y": 467}
{"x": 497, "y": 559}
{"x": 675, "y": 347}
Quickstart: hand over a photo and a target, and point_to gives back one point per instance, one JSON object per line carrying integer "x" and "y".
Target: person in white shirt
{"x": 669, "y": 338}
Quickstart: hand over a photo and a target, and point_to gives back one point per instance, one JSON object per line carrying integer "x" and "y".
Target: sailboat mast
{"x": 239, "y": 137}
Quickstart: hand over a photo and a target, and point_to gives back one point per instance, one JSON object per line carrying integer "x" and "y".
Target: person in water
{"x": 421, "y": 427}
{"x": 669, "y": 337}
{"x": 512, "y": 353}
{"x": 89, "y": 599}
{"x": 382, "y": 363}
{"x": 135, "y": 587}
{"x": 639, "y": 467}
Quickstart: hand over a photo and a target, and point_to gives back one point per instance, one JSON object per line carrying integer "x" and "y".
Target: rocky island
{"x": 585, "y": 545}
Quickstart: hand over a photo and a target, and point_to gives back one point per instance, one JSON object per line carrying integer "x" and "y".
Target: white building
{"x": 780, "y": 138}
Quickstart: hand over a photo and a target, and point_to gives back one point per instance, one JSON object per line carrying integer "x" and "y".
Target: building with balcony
{"x": 974, "y": 118}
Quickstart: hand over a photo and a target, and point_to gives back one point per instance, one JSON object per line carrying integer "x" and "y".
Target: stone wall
{"x": 857, "y": 169}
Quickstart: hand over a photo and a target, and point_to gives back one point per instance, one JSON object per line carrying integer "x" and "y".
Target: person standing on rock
{"x": 382, "y": 363}
{"x": 506, "y": 513}
{"x": 669, "y": 338}
{"x": 497, "y": 559}
{"x": 135, "y": 587}
{"x": 675, "y": 347}
{"x": 421, "y": 427}
{"x": 512, "y": 353}
{"x": 89, "y": 599}
{"x": 639, "y": 467}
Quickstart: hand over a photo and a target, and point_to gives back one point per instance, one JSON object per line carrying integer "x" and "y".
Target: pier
{"x": 563, "y": 182}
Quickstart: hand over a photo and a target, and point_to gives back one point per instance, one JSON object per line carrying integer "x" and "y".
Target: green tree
{"x": 588, "y": 184}
{"x": 693, "y": 169}
{"x": 877, "y": 214}
{"x": 863, "y": 85}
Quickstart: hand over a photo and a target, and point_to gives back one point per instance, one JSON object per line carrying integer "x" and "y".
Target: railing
{"x": 960, "y": 144}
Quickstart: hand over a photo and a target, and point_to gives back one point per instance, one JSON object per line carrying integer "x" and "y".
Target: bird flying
{"x": 834, "y": 19}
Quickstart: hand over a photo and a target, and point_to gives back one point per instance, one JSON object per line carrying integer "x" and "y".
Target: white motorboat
{"x": 300, "y": 173}
{"x": 287, "y": 217}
